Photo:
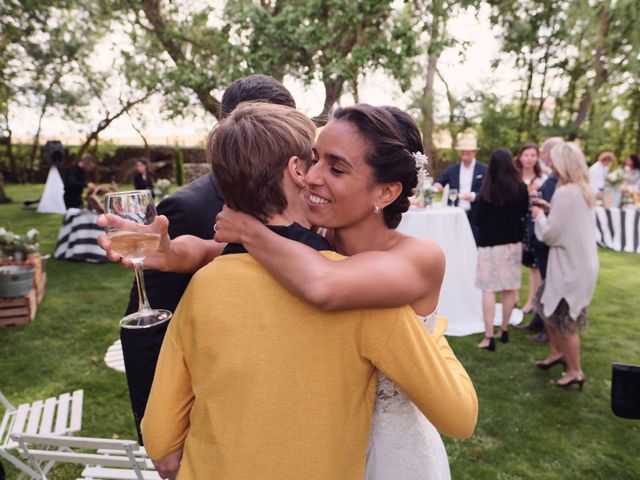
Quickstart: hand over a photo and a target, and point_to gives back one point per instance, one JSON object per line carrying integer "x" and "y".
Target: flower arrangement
{"x": 161, "y": 189}
{"x": 615, "y": 178}
{"x": 13, "y": 243}
{"x": 425, "y": 195}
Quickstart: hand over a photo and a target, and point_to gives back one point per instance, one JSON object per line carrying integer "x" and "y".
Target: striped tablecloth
{"x": 618, "y": 229}
{"x": 78, "y": 237}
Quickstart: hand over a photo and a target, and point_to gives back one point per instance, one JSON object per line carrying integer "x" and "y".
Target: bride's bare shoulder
{"x": 421, "y": 251}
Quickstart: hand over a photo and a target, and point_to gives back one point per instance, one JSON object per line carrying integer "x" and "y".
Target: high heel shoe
{"x": 504, "y": 336}
{"x": 577, "y": 381}
{"x": 491, "y": 346}
{"x": 541, "y": 364}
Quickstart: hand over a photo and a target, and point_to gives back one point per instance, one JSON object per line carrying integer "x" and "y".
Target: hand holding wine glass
{"x": 134, "y": 241}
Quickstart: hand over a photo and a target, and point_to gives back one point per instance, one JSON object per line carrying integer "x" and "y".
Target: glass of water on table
{"x": 135, "y": 243}
{"x": 453, "y": 195}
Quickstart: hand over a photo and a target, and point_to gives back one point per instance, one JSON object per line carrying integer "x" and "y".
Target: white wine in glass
{"x": 135, "y": 243}
{"x": 453, "y": 196}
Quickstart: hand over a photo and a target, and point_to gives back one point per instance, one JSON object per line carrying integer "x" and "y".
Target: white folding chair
{"x": 110, "y": 459}
{"x": 53, "y": 416}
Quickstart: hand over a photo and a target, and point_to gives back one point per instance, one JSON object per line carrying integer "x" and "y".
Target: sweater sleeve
{"x": 167, "y": 417}
{"x": 427, "y": 370}
{"x": 549, "y": 228}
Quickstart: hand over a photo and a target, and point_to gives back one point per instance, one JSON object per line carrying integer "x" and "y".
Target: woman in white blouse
{"x": 569, "y": 230}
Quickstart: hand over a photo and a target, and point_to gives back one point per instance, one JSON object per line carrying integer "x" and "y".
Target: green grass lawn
{"x": 526, "y": 428}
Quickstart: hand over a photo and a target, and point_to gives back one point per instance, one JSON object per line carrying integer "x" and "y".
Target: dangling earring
{"x": 376, "y": 209}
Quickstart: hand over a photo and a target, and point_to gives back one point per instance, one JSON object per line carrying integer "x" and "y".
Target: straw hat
{"x": 467, "y": 142}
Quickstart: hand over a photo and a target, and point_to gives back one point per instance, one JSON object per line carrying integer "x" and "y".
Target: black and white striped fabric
{"x": 618, "y": 229}
{"x": 78, "y": 237}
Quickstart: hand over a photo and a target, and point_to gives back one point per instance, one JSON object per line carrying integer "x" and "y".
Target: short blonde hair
{"x": 571, "y": 166}
{"x": 249, "y": 151}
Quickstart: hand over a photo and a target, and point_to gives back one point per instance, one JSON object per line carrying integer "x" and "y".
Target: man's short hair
{"x": 249, "y": 151}
{"x": 255, "y": 88}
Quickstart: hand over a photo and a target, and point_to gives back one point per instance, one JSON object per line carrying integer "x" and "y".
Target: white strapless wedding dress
{"x": 403, "y": 445}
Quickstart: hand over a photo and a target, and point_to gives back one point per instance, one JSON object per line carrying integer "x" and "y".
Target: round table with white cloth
{"x": 460, "y": 300}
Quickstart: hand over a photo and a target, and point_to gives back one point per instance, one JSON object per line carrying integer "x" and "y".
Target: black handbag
{"x": 625, "y": 390}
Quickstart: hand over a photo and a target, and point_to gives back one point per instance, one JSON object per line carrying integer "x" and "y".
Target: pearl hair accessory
{"x": 421, "y": 168}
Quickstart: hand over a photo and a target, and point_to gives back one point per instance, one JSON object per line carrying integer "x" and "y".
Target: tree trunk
{"x": 13, "y": 161}
{"x": 600, "y": 69}
{"x": 36, "y": 138}
{"x": 3, "y": 196}
{"x": 151, "y": 9}
{"x": 332, "y": 93}
{"x": 454, "y": 129}
{"x": 526, "y": 93}
{"x": 426, "y": 109}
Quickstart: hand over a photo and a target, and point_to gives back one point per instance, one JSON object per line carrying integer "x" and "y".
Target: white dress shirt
{"x": 466, "y": 179}
{"x": 597, "y": 175}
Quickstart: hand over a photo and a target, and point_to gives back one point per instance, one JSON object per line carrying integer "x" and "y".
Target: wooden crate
{"x": 41, "y": 287}
{"x": 18, "y": 310}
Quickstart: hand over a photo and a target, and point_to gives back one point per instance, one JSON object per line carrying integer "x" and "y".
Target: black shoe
{"x": 491, "y": 346}
{"x": 577, "y": 381}
{"x": 546, "y": 366}
{"x": 504, "y": 336}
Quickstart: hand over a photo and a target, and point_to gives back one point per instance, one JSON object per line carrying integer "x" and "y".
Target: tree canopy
{"x": 577, "y": 59}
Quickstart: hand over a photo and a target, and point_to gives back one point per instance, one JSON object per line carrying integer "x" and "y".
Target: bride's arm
{"x": 369, "y": 279}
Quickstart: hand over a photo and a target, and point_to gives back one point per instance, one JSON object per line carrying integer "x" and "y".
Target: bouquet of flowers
{"x": 161, "y": 189}
{"x": 615, "y": 178}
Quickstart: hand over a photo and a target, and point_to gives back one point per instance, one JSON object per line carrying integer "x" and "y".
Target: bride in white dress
{"x": 403, "y": 445}
{"x": 366, "y": 166}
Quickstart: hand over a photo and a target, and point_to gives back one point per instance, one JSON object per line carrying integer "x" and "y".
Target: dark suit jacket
{"x": 540, "y": 249}
{"x": 451, "y": 177}
{"x": 191, "y": 211}
{"x": 74, "y": 182}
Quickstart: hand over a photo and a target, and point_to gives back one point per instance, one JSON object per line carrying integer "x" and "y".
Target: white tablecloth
{"x": 618, "y": 229}
{"x": 78, "y": 237}
{"x": 460, "y": 300}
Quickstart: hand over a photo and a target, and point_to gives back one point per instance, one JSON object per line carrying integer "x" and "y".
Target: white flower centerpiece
{"x": 161, "y": 189}
{"x": 18, "y": 247}
{"x": 615, "y": 178}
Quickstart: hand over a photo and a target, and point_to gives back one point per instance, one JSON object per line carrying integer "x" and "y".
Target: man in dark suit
{"x": 191, "y": 211}
{"x": 466, "y": 177}
{"x": 75, "y": 179}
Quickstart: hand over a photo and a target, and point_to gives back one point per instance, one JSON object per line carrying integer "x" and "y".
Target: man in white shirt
{"x": 466, "y": 177}
{"x": 598, "y": 171}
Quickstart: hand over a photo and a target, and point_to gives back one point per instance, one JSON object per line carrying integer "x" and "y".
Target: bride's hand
{"x": 233, "y": 226}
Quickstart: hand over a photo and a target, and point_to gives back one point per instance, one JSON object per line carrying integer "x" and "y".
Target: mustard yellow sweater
{"x": 254, "y": 383}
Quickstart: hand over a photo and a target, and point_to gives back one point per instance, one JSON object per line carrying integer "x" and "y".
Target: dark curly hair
{"x": 392, "y": 136}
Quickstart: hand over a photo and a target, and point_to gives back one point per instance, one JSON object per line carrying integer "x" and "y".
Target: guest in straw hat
{"x": 466, "y": 177}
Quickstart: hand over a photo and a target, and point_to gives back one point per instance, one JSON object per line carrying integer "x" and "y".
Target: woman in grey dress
{"x": 569, "y": 231}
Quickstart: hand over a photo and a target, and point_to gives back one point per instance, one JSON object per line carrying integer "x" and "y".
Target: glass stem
{"x": 143, "y": 303}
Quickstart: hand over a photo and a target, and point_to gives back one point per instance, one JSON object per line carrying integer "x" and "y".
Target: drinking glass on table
{"x": 453, "y": 195}
{"x": 134, "y": 243}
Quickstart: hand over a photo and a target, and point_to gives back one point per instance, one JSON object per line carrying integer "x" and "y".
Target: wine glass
{"x": 135, "y": 243}
{"x": 453, "y": 195}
